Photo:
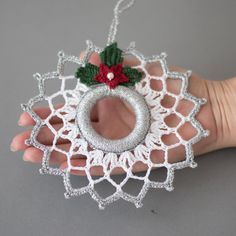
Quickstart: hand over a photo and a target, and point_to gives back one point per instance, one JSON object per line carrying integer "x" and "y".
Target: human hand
{"x": 108, "y": 120}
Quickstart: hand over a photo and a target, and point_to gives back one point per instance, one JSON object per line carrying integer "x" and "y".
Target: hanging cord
{"x": 115, "y": 22}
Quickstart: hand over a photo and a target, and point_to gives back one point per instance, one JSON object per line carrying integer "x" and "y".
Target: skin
{"x": 217, "y": 116}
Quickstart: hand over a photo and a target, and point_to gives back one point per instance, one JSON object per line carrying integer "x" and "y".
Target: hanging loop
{"x": 115, "y": 22}
{"x": 119, "y": 7}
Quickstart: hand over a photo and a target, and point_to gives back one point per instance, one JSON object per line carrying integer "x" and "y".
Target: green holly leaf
{"x": 111, "y": 55}
{"x": 134, "y": 76}
{"x": 87, "y": 74}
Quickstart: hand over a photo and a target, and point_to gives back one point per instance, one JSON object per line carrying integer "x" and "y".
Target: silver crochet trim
{"x": 127, "y": 143}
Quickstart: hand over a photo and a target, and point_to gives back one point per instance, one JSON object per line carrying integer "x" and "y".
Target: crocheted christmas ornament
{"x": 132, "y": 84}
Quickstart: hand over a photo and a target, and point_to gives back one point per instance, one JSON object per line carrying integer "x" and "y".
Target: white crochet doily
{"x": 159, "y": 127}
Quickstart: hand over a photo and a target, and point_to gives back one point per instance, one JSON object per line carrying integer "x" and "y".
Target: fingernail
{"x": 25, "y": 158}
{"x": 20, "y": 122}
{"x": 13, "y": 146}
{"x": 13, "y": 149}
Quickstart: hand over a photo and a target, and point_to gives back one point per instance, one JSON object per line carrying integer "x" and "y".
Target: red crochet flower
{"x": 112, "y": 76}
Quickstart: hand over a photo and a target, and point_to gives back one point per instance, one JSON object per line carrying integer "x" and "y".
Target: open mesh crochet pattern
{"x": 68, "y": 91}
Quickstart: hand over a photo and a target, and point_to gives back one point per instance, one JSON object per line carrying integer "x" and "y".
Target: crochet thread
{"x": 107, "y": 160}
